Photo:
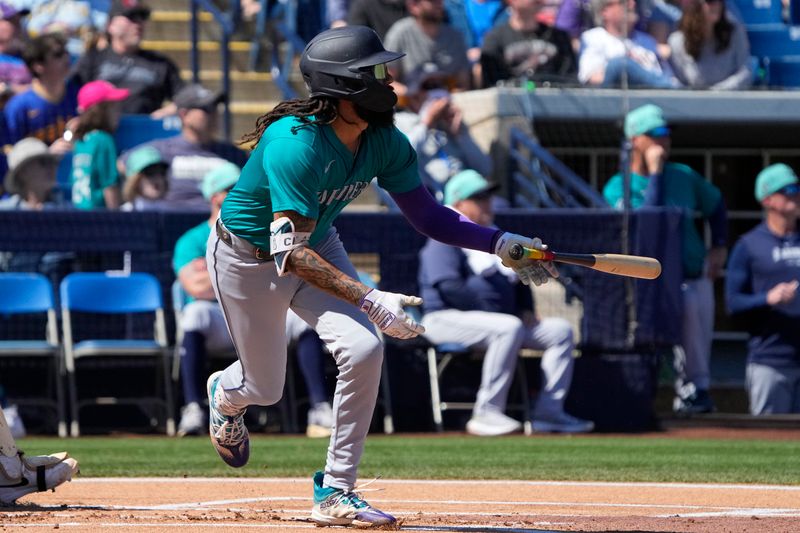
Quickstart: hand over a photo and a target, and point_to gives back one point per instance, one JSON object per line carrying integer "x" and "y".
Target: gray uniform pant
{"x": 692, "y": 359}
{"x": 773, "y": 389}
{"x": 255, "y": 299}
{"x": 502, "y": 335}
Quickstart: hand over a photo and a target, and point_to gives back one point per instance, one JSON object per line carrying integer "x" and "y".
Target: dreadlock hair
{"x": 321, "y": 108}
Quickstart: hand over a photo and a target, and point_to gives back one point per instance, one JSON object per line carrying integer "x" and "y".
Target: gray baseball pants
{"x": 692, "y": 363}
{"x": 255, "y": 299}
{"x": 773, "y": 389}
{"x": 502, "y": 335}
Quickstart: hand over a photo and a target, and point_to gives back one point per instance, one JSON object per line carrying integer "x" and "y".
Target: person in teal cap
{"x": 146, "y": 182}
{"x": 761, "y": 287}
{"x": 655, "y": 181}
{"x": 203, "y": 325}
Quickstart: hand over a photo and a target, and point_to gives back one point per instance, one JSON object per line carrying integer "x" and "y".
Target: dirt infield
{"x": 205, "y": 505}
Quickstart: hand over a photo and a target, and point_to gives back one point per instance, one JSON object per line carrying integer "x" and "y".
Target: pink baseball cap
{"x": 98, "y": 91}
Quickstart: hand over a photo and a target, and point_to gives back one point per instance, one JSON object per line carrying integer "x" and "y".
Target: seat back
{"x": 25, "y": 293}
{"x": 98, "y": 292}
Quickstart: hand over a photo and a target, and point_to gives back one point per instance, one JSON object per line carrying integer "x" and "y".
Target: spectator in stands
{"x": 379, "y": 15}
{"x": 31, "y": 178}
{"x": 22, "y": 474}
{"x": 151, "y": 77}
{"x": 761, "y": 286}
{"x": 45, "y": 109}
{"x": 615, "y": 50}
{"x": 523, "y": 48}
{"x": 432, "y": 122}
{"x": 14, "y": 75}
{"x": 204, "y": 326}
{"x": 657, "y": 182}
{"x": 472, "y": 299}
{"x": 474, "y": 18}
{"x": 95, "y": 180}
{"x": 336, "y": 13}
{"x": 77, "y": 20}
{"x": 710, "y": 50}
{"x": 194, "y": 152}
{"x": 146, "y": 183}
{"x": 426, "y": 39}
{"x": 31, "y": 183}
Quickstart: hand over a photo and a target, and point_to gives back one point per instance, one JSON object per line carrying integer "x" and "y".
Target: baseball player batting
{"x": 275, "y": 248}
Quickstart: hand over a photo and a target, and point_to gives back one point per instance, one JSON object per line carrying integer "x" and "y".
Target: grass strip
{"x": 585, "y": 458}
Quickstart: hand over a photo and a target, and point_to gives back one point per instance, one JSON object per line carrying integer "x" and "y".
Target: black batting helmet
{"x": 343, "y": 62}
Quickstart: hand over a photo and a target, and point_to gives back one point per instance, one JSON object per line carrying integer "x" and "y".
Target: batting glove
{"x": 529, "y": 270}
{"x": 385, "y": 310}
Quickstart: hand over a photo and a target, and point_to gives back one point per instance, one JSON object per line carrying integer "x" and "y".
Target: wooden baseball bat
{"x": 634, "y": 266}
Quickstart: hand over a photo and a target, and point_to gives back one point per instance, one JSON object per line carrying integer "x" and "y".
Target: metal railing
{"x": 538, "y": 179}
{"x": 227, "y": 23}
{"x": 284, "y": 15}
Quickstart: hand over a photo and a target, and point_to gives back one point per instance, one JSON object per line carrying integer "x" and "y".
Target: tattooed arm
{"x": 308, "y": 265}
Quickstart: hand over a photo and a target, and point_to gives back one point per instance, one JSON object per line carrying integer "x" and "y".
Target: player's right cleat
{"x": 21, "y": 475}
{"x": 492, "y": 424}
{"x": 335, "y": 507}
{"x": 227, "y": 430}
{"x": 693, "y": 402}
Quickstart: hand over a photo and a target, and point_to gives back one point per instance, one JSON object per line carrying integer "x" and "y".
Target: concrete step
{"x": 210, "y": 53}
{"x": 175, "y": 26}
{"x": 245, "y": 86}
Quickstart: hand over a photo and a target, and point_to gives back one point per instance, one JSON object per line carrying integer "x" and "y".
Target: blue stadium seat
{"x": 760, "y": 11}
{"x": 97, "y": 294}
{"x": 64, "y": 177}
{"x": 134, "y": 130}
{"x": 783, "y": 71}
{"x": 31, "y": 294}
{"x": 770, "y": 40}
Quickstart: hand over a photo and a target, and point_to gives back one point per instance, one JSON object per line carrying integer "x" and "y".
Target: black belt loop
{"x": 225, "y": 236}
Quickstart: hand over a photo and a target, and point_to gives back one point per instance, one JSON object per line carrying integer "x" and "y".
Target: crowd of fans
{"x": 68, "y": 72}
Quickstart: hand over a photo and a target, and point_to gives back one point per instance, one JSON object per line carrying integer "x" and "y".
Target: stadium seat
{"x": 96, "y": 295}
{"x": 134, "y": 130}
{"x": 30, "y": 296}
{"x": 760, "y": 11}
{"x": 440, "y": 356}
{"x": 771, "y": 40}
{"x": 783, "y": 71}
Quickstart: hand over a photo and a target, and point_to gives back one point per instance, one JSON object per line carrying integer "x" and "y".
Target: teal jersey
{"x": 684, "y": 188}
{"x": 190, "y": 246}
{"x": 311, "y": 172}
{"x": 94, "y": 167}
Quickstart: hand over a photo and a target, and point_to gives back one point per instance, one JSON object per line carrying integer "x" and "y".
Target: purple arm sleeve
{"x": 443, "y": 224}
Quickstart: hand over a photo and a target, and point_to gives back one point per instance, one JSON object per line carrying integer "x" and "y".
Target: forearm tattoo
{"x": 307, "y": 264}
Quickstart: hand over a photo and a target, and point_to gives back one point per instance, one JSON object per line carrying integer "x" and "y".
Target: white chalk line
{"x": 307, "y": 481}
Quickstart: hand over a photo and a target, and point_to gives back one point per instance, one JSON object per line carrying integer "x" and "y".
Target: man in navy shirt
{"x": 472, "y": 299}
{"x": 761, "y": 286}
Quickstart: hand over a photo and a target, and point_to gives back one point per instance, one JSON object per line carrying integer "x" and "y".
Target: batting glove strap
{"x": 529, "y": 270}
{"x": 385, "y": 310}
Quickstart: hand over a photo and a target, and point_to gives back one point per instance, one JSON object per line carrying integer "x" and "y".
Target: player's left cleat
{"x": 21, "y": 475}
{"x": 228, "y": 433}
{"x": 562, "y": 423}
{"x": 336, "y": 507}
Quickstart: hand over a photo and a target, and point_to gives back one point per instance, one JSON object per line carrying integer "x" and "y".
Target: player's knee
{"x": 561, "y": 330}
{"x": 508, "y": 325}
{"x": 367, "y": 352}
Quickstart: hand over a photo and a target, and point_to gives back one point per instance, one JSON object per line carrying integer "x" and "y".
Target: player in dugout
{"x": 275, "y": 248}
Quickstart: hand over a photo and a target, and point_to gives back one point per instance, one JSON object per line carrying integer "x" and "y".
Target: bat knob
{"x": 516, "y": 252}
